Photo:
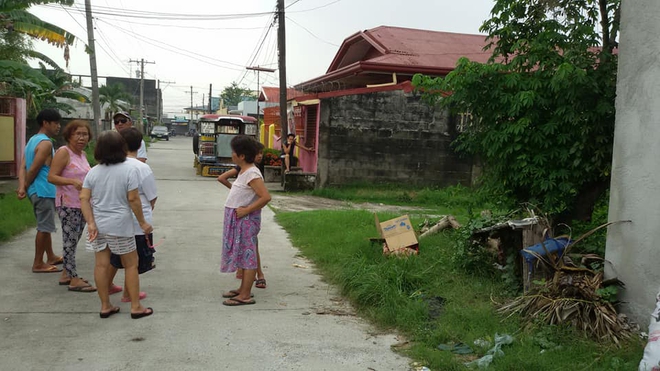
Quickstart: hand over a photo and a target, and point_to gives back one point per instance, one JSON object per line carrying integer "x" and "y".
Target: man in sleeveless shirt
{"x": 33, "y": 183}
{"x": 123, "y": 121}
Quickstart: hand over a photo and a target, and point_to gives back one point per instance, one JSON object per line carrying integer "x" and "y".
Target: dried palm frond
{"x": 572, "y": 298}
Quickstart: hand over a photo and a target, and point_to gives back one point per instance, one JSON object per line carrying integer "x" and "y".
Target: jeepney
{"x": 213, "y": 155}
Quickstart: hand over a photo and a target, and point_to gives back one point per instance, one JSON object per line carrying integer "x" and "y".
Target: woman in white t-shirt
{"x": 247, "y": 196}
{"x": 109, "y": 195}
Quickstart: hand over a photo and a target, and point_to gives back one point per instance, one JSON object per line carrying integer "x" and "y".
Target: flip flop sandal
{"x": 114, "y": 310}
{"x": 232, "y": 294}
{"x": 147, "y": 312}
{"x": 51, "y": 269}
{"x": 88, "y": 288}
{"x": 233, "y": 302}
{"x": 260, "y": 283}
{"x": 67, "y": 283}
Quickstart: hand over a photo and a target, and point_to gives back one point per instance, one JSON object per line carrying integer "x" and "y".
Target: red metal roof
{"x": 411, "y": 47}
{"x": 271, "y": 94}
{"x": 406, "y": 51}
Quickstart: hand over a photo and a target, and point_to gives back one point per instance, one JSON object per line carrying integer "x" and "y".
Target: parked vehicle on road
{"x": 160, "y": 132}
{"x": 213, "y": 156}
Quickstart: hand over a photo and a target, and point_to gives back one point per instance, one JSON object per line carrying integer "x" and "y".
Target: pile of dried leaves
{"x": 576, "y": 295}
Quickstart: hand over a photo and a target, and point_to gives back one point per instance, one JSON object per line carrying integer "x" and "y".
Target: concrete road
{"x": 298, "y": 322}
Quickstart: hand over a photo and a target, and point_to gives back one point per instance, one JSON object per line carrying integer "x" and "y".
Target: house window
{"x": 310, "y": 125}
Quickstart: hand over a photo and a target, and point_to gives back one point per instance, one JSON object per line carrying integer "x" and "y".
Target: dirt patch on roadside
{"x": 283, "y": 202}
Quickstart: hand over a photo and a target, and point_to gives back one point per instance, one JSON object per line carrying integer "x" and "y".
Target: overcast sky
{"x": 202, "y": 42}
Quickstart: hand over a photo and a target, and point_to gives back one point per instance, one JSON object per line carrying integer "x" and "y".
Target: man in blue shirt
{"x": 33, "y": 183}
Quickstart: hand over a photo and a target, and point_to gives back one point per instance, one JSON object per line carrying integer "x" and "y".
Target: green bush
{"x": 594, "y": 244}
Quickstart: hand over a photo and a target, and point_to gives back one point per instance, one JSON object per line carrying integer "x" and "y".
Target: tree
{"x": 14, "y": 46}
{"x": 40, "y": 88}
{"x": 15, "y": 17}
{"x": 544, "y": 102}
{"x": 232, "y": 95}
{"x": 113, "y": 95}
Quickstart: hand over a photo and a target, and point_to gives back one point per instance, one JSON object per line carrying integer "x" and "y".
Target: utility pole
{"x": 159, "y": 97}
{"x": 96, "y": 105}
{"x": 210, "y": 99}
{"x": 191, "y": 105}
{"x": 281, "y": 46}
{"x": 259, "y": 69}
{"x": 142, "y": 62}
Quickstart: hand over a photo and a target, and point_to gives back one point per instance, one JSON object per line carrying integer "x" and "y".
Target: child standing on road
{"x": 223, "y": 178}
{"x": 247, "y": 196}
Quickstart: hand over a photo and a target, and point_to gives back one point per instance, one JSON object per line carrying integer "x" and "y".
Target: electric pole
{"x": 259, "y": 69}
{"x": 191, "y": 104}
{"x": 210, "y": 99}
{"x": 159, "y": 97}
{"x": 281, "y": 46}
{"x": 142, "y": 62}
{"x": 96, "y": 105}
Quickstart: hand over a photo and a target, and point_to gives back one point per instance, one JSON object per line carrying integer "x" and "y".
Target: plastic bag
{"x": 651, "y": 359}
{"x": 493, "y": 352}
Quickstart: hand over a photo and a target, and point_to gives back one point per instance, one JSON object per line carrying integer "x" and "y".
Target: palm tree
{"x": 40, "y": 88}
{"x": 112, "y": 95}
{"x": 14, "y": 17}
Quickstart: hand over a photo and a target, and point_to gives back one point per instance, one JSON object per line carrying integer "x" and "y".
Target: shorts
{"x": 117, "y": 245}
{"x": 145, "y": 255}
{"x": 44, "y": 212}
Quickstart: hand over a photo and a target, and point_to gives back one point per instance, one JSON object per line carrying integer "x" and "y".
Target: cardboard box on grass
{"x": 399, "y": 236}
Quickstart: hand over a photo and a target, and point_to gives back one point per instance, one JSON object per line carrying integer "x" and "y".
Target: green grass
{"x": 456, "y": 200}
{"x": 393, "y": 293}
{"x": 15, "y": 216}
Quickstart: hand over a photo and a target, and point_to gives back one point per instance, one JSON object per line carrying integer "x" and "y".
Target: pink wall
{"x": 306, "y": 160}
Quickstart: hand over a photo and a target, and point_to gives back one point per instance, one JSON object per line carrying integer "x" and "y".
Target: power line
{"x": 121, "y": 3}
{"x": 179, "y": 51}
{"x": 127, "y": 13}
{"x": 256, "y": 51}
{"x": 187, "y": 51}
{"x": 85, "y": 29}
{"x": 292, "y": 4}
{"x": 310, "y": 32}
{"x": 318, "y": 7}
{"x": 114, "y": 57}
{"x": 184, "y": 26}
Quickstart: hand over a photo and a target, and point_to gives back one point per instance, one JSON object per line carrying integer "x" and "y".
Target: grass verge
{"x": 403, "y": 295}
{"x": 15, "y": 216}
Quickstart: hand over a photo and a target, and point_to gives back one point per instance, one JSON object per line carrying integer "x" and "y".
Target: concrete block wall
{"x": 387, "y": 137}
{"x": 632, "y": 248}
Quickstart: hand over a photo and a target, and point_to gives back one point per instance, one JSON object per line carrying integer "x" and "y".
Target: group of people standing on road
{"x": 114, "y": 199}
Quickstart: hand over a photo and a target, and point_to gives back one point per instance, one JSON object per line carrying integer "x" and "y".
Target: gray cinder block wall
{"x": 634, "y": 248}
{"x": 387, "y": 137}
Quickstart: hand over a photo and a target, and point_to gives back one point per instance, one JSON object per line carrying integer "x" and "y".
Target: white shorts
{"x": 117, "y": 245}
